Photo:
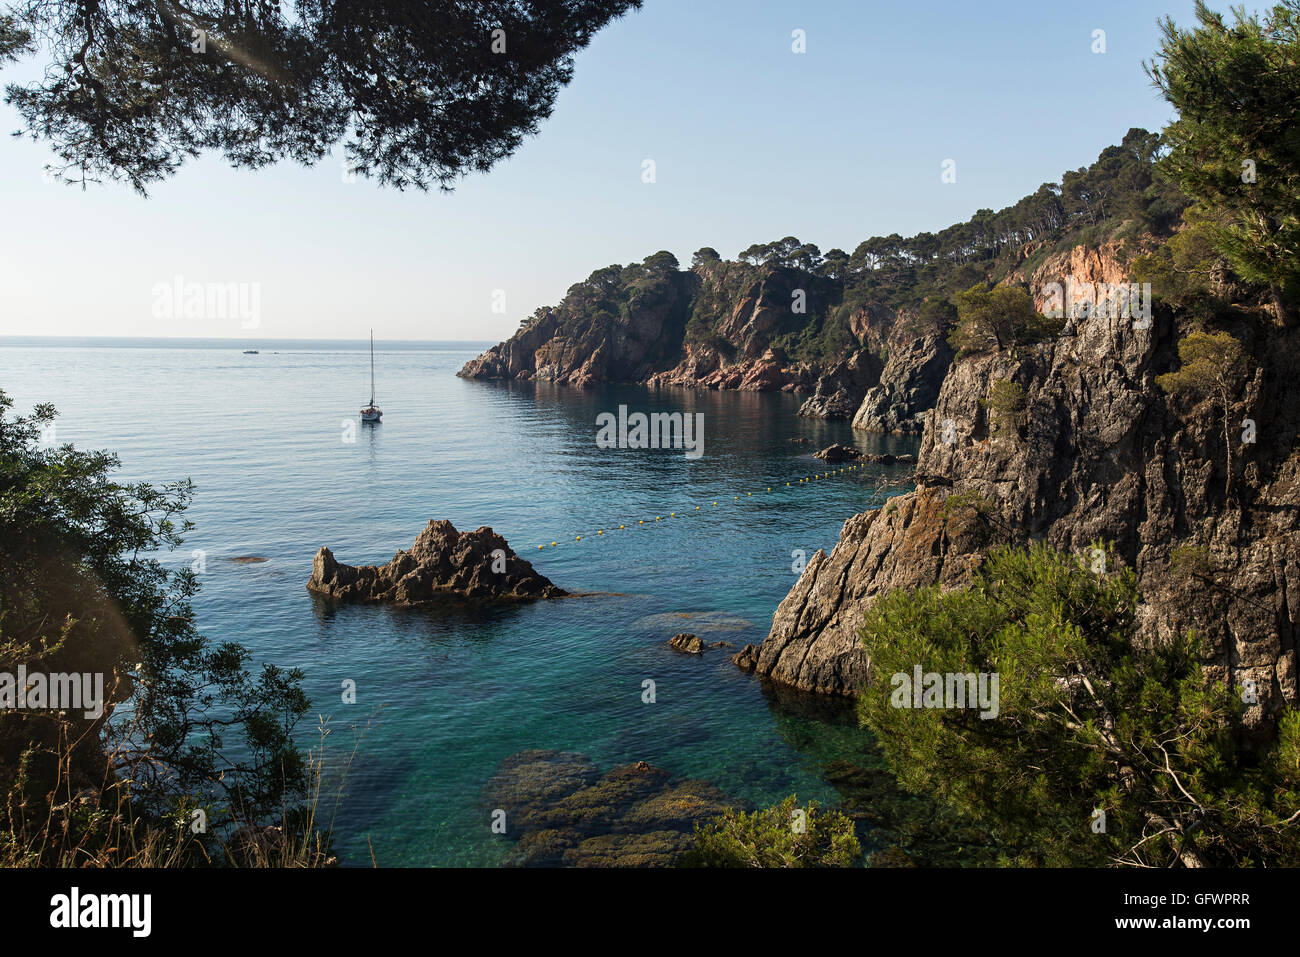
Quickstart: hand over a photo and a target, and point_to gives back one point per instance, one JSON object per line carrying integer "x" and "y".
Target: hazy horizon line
{"x": 231, "y": 340}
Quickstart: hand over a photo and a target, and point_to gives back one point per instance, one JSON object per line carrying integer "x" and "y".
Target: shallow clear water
{"x": 444, "y": 695}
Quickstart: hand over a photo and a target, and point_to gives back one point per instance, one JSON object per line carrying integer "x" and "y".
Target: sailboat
{"x": 371, "y": 412}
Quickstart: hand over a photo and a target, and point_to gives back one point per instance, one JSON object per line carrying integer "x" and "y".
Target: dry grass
{"x": 98, "y": 828}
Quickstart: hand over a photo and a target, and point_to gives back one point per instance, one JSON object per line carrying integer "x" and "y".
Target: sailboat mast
{"x": 372, "y": 368}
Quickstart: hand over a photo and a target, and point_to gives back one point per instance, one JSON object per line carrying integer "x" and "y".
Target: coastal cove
{"x": 445, "y": 695}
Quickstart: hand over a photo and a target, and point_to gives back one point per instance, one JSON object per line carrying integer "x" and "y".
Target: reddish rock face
{"x": 442, "y": 563}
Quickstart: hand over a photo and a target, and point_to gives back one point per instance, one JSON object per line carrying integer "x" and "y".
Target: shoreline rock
{"x": 907, "y": 389}
{"x": 839, "y": 453}
{"x": 845, "y": 453}
{"x": 442, "y": 563}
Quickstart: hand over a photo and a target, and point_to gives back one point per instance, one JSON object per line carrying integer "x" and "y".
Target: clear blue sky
{"x": 751, "y": 142}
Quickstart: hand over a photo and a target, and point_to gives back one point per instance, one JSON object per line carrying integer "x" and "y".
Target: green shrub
{"x": 1103, "y": 750}
{"x": 782, "y": 836}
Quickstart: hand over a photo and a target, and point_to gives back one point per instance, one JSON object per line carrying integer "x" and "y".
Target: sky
{"x": 750, "y": 142}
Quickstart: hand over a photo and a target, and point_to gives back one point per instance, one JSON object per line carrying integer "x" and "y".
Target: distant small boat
{"x": 371, "y": 412}
{"x": 250, "y": 352}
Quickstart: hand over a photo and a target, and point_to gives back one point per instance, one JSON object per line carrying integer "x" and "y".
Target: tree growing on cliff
{"x": 704, "y": 255}
{"x": 835, "y": 264}
{"x": 81, "y": 594}
{"x": 998, "y": 317}
{"x": 933, "y": 317}
{"x": 787, "y": 835}
{"x": 1235, "y": 146}
{"x": 1006, "y": 405}
{"x": 1186, "y": 270}
{"x": 417, "y": 93}
{"x": 1096, "y": 749}
{"x": 1213, "y": 367}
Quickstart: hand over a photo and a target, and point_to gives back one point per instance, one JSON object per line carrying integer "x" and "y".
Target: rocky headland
{"x": 1099, "y": 452}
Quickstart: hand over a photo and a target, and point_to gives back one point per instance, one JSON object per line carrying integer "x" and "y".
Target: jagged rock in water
{"x": 564, "y": 813}
{"x": 814, "y": 643}
{"x": 844, "y": 453}
{"x": 442, "y": 563}
{"x": 908, "y": 388}
{"x": 687, "y": 644}
{"x": 747, "y": 658}
{"x": 838, "y": 453}
{"x": 1102, "y": 453}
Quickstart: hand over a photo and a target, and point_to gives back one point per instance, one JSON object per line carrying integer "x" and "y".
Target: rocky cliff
{"x": 721, "y": 325}
{"x": 907, "y": 388}
{"x": 1100, "y": 452}
{"x": 860, "y": 335}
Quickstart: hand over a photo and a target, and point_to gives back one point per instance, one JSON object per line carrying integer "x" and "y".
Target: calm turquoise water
{"x": 443, "y": 696}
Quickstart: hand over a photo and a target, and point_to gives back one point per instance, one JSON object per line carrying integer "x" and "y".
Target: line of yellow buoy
{"x": 736, "y": 498}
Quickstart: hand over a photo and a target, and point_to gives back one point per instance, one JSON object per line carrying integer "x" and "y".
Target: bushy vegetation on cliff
{"x": 1096, "y": 749}
{"x": 921, "y": 276}
{"x": 1235, "y": 146}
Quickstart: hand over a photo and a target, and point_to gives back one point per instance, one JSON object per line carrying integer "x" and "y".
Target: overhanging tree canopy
{"x": 1235, "y": 146}
{"x": 418, "y": 92}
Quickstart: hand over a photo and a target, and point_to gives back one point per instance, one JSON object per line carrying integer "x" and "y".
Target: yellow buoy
{"x": 601, "y": 532}
{"x": 553, "y": 544}
{"x": 578, "y": 539}
{"x": 715, "y": 504}
{"x": 672, "y": 514}
{"x": 697, "y": 508}
{"x": 622, "y": 526}
{"x": 642, "y": 522}
{"x": 540, "y": 547}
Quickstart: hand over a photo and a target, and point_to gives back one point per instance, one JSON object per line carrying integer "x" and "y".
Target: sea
{"x": 282, "y": 466}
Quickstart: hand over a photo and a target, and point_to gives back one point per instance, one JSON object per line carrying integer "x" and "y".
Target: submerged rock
{"x": 442, "y": 563}
{"x": 702, "y": 622}
{"x": 566, "y": 814}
